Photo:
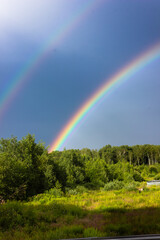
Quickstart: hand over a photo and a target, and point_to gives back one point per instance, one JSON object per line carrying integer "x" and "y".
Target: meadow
{"x": 77, "y": 193}
{"x": 82, "y": 213}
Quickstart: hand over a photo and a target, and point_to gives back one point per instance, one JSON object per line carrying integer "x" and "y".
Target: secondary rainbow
{"x": 19, "y": 80}
{"x": 123, "y": 74}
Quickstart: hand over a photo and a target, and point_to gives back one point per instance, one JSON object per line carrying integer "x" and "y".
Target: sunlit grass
{"x": 93, "y": 213}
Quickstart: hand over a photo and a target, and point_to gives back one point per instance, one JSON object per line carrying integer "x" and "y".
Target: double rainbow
{"x": 125, "y": 73}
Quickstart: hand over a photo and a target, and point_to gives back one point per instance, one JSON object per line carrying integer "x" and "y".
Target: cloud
{"x": 27, "y": 23}
{"x": 29, "y": 18}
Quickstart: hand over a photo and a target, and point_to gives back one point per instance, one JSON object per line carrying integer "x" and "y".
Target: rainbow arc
{"x": 22, "y": 76}
{"x": 122, "y": 75}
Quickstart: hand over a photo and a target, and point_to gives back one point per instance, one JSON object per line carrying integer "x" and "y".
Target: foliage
{"x": 27, "y": 169}
{"x": 137, "y": 177}
{"x": 132, "y": 186}
{"x": 58, "y": 188}
{"x": 78, "y": 190}
{"x": 115, "y": 185}
{"x": 157, "y": 177}
{"x": 96, "y": 172}
{"x": 91, "y": 214}
{"x": 56, "y": 191}
{"x": 153, "y": 170}
{"x": 21, "y": 167}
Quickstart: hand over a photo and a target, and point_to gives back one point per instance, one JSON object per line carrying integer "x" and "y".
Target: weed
{"x": 89, "y": 214}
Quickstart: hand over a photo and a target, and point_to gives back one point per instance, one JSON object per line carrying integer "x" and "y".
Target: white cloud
{"x": 31, "y": 21}
{"x": 32, "y": 18}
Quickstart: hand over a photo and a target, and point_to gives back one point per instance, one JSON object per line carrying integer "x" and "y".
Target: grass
{"x": 89, "y": 214}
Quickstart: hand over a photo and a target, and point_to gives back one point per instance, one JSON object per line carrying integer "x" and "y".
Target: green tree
{"x": 96, "y": 172}
{"x": 21, "y": 167}
{"x": 72, "y": 162}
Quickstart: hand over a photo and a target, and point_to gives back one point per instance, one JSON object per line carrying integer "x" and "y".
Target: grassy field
{"x": 89, "y": 214}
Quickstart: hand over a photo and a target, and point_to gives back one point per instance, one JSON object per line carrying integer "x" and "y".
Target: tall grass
{"x": 86, "y": 214}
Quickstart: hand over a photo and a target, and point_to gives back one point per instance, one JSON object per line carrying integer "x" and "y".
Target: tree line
{"x": 27, "y": 169}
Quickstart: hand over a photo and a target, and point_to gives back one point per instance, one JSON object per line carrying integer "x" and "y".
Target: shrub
{"x": 157, "y": 177}
{"x": 137, "y": 177}
{"x": 81, "y": 189}
{"x": 91, "y": 186}
{"x": 78, "y": 190}
{"x": 13, "y": 214}
{"x": 132, "y": 186}
{"x": 153, "y": 170}
{"x": 115, "y": 185}
{"x": 71, "y": 191}
{"x": 128, "y": 177}
{"x": 55, "y": 192}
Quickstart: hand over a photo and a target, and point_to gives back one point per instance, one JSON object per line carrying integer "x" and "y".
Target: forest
{"x": 77, "y": 193}
{"x": 27, "y": 169}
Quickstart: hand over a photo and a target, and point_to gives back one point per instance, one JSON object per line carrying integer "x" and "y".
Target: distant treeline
{"x": 27, "y": 169}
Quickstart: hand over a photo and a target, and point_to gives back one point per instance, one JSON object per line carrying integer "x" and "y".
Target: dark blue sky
{"x": 106, "y": 39}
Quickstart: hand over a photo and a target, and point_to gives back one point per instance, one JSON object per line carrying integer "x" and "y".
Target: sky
{"x": 100, "y": 39}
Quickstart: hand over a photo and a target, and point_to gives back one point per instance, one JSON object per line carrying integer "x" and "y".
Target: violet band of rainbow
{"x": 123, "y": 74}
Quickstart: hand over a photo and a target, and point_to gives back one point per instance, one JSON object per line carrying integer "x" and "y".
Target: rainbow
{"x": 19, "y": 80}
{"x": 123, "y": 74}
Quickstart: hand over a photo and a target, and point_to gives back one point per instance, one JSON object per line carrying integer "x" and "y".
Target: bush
{"x": 13, "y": 214}
{"x": 153, "y": 170}
{"x": 56, "y": 192}
{"x": 115, "y": 185}
{"x": 81, "y": 189}
{"x": 77, "y": 190}
{"x": 71, "y": 191}
{"x": 91, "y": 186}
{"x": 157, "y": 177}
{"x": 132, "y": 186}
{"x": 137, "y": 177}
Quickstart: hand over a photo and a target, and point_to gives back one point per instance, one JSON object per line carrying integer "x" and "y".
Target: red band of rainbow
{"x": 125, "y": 73}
